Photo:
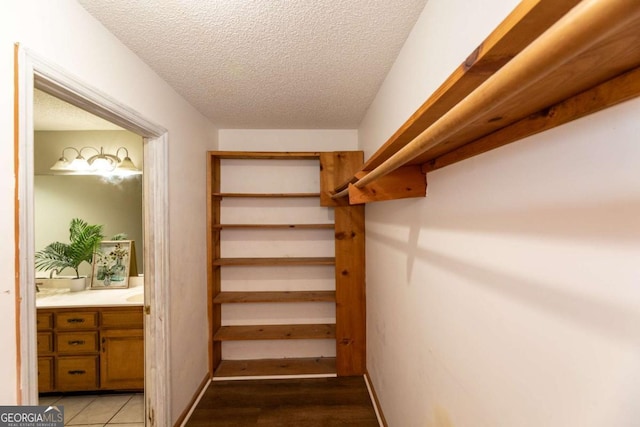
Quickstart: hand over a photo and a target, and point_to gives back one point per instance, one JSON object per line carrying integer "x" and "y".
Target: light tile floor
{"x": 110, "y": 410}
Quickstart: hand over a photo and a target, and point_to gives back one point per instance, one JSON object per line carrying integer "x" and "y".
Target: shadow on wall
{"x": 610, "y": 319}
{"x": 612, "y": 221}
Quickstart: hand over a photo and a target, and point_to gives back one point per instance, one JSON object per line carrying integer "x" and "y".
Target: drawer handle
{"x": 75, "y": 320}
{"x": 76, "y": 342}
{"x": 77, "y": 372}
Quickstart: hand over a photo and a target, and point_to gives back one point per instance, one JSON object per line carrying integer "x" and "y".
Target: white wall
{"x": 288, "y": 139}
{"x": 509, "y": 295}
{"x": 61, "y": 32}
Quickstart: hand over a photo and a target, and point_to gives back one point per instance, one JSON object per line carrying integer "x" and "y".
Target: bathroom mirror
{"x": 115, "y": 202}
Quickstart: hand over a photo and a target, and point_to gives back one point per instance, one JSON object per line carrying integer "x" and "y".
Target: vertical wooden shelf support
{"x": 351, "y": 317}
{"x": 213, "y": 243}
{"x": 335, "y": 168}
{"x": 351, "y": 345}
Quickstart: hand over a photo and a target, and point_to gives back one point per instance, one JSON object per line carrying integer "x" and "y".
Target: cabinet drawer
{"x": 45, "y": 342}
{"x": 77, "y": 373}
{"x": 77, "y": 342}
{"x": 131, "y": 318}
{"x": 77, "y": 320}
{"x": 45, "y": 374}
{"x": 44, "y": 321}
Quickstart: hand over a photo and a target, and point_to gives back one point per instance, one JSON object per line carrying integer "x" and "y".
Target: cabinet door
{"x": 45, "y": 374}
{"x": 122, "y": 359}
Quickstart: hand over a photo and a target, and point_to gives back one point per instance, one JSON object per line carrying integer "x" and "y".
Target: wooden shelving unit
{"x": 347, "y": 332}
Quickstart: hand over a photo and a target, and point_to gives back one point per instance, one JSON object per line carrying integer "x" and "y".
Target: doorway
{"x": 35, "y": 73}
{"x": 106, "y": 357}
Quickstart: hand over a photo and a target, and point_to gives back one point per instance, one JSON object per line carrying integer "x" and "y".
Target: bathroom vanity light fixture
{"x": 100, "y": 163}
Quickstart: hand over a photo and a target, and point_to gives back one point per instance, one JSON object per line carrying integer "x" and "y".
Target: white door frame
{"x": 36, "y": 72}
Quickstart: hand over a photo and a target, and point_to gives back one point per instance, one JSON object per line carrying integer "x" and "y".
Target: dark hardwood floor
{"x": 325, "y": 402}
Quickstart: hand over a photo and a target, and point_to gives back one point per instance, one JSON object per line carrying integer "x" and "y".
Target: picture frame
{"x": 112, "y": 264}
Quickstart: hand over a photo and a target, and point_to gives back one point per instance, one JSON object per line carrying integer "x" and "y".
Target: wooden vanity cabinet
{"x": 75, "y": 337}
{"x": 122, "y": 350}
{"x": 89, "y": 349}
{"x": 44, "y": 321}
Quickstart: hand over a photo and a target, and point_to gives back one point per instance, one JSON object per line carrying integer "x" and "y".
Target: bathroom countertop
{"x": 60, "y": 298}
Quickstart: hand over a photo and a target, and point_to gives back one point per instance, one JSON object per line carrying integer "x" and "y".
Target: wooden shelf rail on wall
{"x": 549, "y": 62}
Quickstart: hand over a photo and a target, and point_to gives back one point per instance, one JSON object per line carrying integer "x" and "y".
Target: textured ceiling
{"x": 51, "y": 113}
{"x": 267, "y": 63}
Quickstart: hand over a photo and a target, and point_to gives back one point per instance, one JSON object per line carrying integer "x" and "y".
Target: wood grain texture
{"x": 266, "y": 195}
{"x": 275, "y": 332}
{"x": 335, "y": 168}
{"x": 342, "y": 164}
{"x": 293, "y": 402}
{"x": 282, "y": 296}
{"x": 213, "y": 253}
{"x": 265, "y": 155}
{"x": 351, "y": 319}
{"x": 106, "y": 342}
{"x": 587, "y": 45}
{"x": 275, "y": 226}
{"x": 403, "y": 183}
{"x": 270, "y": 367}
{"x": 616, "y": 52}
{"x": 594, "y": 42}
{"x": 288, "y": 261}
{"x": 122, "y": 359}
{"x": 610, "y": 93}
{"x": 527, "y": 21}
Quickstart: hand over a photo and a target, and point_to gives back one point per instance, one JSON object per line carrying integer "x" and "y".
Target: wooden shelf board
{"x": 275, "y": 332}
{"x": 266, "y": 195}
{"x": 265, "y": 155}
{"x": 275, "y": 226}
{"x": 284, "y": 296}
{"x": 288, "y": 261}
{"x": 270, "y": 367}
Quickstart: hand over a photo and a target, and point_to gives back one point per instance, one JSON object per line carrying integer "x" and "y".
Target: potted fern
{"x": 84, "y": 239}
